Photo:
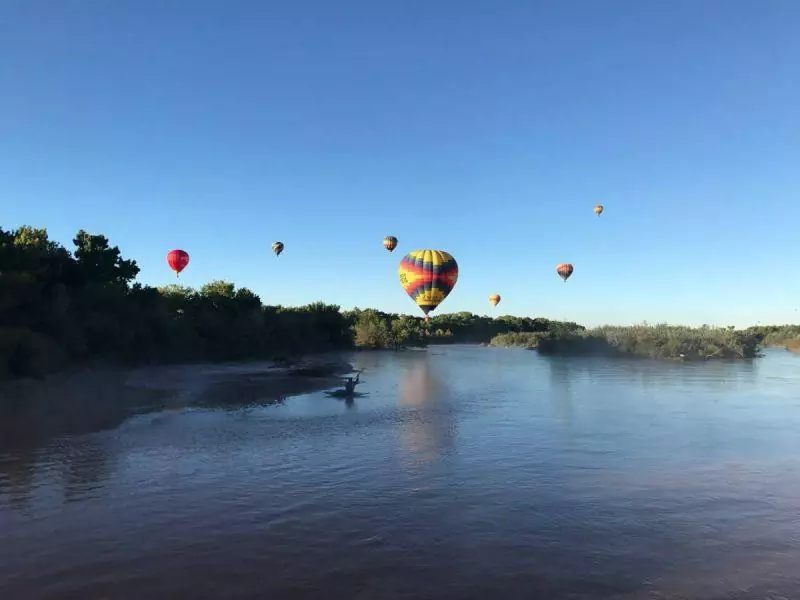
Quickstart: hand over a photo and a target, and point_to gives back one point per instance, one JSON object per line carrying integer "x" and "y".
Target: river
{"x": 463, "y": 473}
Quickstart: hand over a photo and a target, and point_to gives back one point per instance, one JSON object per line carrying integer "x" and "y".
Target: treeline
{"x": 60, "y": 308}
{"x": 776, "y": 336}
{"x": 645, "y": 341}
{"x": 377, "y": 329}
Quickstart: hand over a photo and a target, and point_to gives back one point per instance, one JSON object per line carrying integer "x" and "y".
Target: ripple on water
{"x": 465, "y": 472}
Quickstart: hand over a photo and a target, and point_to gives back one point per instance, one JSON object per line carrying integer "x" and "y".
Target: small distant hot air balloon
{"x": 598, "y": 209}
{"x": 564, "y": 270}
{"x": 277, "y": 248}
{"x": 494, "y": 299}
{"x": 177, "y": 260}
{"x": 428, "y": 277}
{"x": 390, "y": 242}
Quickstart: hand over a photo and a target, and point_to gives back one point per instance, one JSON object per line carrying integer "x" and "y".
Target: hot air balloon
{"x": 177, "y": 260}
{"x": 564, "y": 270}
{"x": 598, "y": 209}
{"x": 277, "y": 248}
{"x": 428, "y": 276}
{"x": 495, "y": 299}
{"x": 390, "y": 242}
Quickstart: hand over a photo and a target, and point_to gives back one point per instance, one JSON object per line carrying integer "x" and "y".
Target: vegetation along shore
{"x": 61, "y": 308}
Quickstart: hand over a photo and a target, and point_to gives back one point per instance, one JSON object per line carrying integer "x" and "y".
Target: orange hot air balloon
{"x": 564, "y": 270}
{"x": 495, "y": 299}
{"x": 390, "y": 242}
{"x": 177, "y": 260}
{"x": 598, "y": 209}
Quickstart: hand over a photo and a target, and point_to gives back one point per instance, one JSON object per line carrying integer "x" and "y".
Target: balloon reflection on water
{"x": 429, "y": 425}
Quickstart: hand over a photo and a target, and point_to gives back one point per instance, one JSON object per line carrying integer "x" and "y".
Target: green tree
{"x": 371, "y": 330}
{"x": 100, "y": 263}
{"x": 407, "y": 331}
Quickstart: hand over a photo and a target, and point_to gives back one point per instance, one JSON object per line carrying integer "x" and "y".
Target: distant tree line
{"x": 60, "y": 308}
{"x": 377, "y": 329}
{"x": 645, "y": 341}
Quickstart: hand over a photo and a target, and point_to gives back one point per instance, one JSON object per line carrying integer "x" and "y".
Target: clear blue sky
{"x": 487, "y": 129}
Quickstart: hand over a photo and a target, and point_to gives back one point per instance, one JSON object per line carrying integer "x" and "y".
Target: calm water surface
{"x": 465, "y": 472}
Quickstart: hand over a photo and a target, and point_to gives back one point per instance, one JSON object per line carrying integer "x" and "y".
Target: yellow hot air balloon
{"x": 390, "y": 242}
{"x": 598, "y": 209}
{"x": 494, "y": 299}
{"x": 428, "y": 276}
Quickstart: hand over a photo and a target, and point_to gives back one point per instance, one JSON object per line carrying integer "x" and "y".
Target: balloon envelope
{"x": 495, "y": 299}
{"x": 428, "y": 277}
{"x": 564, "y": 270}
{"x": 277, "y": 248}
{"x": 177, "y": 260}
{"x": 598, "y": 210}
{"x": 390, "y": 242}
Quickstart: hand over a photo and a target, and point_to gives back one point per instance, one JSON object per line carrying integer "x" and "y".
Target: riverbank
{"x": 667, "y": 342}
{"x": 102, "y": 398}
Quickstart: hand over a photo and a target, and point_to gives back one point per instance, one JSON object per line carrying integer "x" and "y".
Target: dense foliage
{"x": 59, "y": 308}
{"x": 647, "y": 341}
{"x": 376, "y": 329}
{"x": 772, "y": 336}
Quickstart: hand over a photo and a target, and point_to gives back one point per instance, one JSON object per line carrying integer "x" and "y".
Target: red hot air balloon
{"x": 177, "y": 260}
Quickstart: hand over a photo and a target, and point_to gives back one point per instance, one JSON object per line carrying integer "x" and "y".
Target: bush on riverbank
{"x": 792, "y": 344}
{"x": 777, "y": 336}
{"x": 546, "y": 330}
{"x": 646, "y": 341}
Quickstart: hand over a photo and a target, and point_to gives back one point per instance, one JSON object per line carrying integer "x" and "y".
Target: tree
{"x": 407, "y": 331}
{"x": 371, "y": 330}
{"x": 100, "y": 263}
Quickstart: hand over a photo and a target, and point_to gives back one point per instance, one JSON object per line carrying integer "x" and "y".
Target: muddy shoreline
{"x": 32, "y": 412}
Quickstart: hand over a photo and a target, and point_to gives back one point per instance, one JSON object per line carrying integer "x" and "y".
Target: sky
{"x": 487, "y": 129}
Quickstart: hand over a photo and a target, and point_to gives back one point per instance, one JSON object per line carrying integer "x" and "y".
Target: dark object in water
{"x": 350, "y": 384}
{"x": 317, "y": 371}
{"x": 346, "y": 394}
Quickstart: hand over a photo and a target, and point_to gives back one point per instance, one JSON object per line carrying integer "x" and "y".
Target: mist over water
{"x": 464, "y": 472}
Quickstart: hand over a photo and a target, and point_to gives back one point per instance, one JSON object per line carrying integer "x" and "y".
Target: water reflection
{"x": 429, "y": 427}
{"x": 560, "y": 379}
{"x": 78, "y": 466}
{"x": 573, "y": 479}
{"x": 16, "y": 477}
{"x": 32, "y": 414}
{"x": 649, "y": 374}
{"x": 85, "y": 464}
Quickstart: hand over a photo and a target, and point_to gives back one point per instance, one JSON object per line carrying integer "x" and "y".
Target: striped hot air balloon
{"x": 428, "y": 277}
{"x": 277, "y": 248}
{"x": 390, "y": 242}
